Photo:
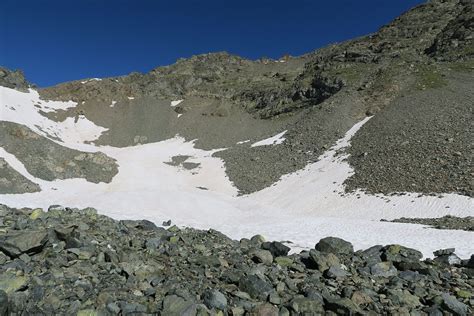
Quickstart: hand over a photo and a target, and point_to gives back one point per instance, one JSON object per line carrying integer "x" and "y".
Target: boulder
{"x": 397, "y": 253}
{"x": 323, "y": 261}
{"x": 334, "y": 245}
{"x": 276, "y": 248}
{"x": 451, "y": 259}
{"x": 214, "y": 299}
{"x": 306, "y": 306}
{"x": 261, "y": 256}
{"x": 442, "y": 252}
{"x": 383, "y": 269}
{"x": 3, "y": 303}
{"x": 10, "y": 282}
{"x": 255, "y": 287}
{"x": 30, "y": 242}
{"x": 265, "y": 309}
{"x": 452, "y": 305}
{"x": 174, "y": 305}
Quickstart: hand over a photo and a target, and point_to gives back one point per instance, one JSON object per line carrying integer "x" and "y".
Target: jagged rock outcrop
{"x": 13, "y": 79}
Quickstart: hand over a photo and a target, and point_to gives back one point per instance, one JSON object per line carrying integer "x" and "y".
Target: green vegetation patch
{"x": 429, "y": 77}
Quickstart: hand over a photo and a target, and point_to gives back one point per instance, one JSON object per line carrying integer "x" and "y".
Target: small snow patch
{"x": 243, "y": 142}
{"x": 179, "y": 115}
{"x": 175, "y": 103}
{"x": 131, "y": 98}
{"x": 274, "y": 140}
{"x": 113, "y": 103}
{"x": 92, "y": 79}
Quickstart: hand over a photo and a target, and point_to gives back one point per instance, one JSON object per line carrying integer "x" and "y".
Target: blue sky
{"x": 54, "y": 41}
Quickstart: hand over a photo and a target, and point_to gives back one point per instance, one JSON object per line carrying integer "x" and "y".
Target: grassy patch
{"x": 351, "y": 73}
{"x": 429, "y": 77}
{"x": 462, "y": 66}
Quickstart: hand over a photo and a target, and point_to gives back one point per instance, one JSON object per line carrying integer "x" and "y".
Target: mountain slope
{"x": 301, "y": 148}
{"x": 316, "y": 98}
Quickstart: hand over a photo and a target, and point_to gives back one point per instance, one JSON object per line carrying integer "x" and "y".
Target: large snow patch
{"x": 302, "y": 207}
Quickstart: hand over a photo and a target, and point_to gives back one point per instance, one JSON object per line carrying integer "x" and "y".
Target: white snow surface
{"x": 274, "y": 140}
{"x": 175, "y": 103}
{"x": 243, "y": 142}
{"x": 92, "y": 79}
{"x": 302, "y": 207}
{"x": 24, "y": 108}
{"x": 113, "y": 104}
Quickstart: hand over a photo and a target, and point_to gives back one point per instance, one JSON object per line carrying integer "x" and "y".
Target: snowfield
{"x": 274, "y": 140}
{"x": 302, "y": 207}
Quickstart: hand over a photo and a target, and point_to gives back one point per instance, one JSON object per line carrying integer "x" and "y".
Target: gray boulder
{"x": 262, "y": 256}
{"x": 334, "y": 245}
{"x": 174, "y": 305}
{"x": 383, "y": 269}
{"x": 276, "y": 248}
{"x": 3, "y": 303}
{"x": 255, "y": 287}
{"x": 452, "y": 305}
{"x": 29, "y": 242}
{"x": 214, "y": 299}
{"x": 397, "y": 253}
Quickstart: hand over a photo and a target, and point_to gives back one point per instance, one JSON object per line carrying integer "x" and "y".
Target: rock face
{"x": 13, "y": 79}
{"x": 77, "y": 262}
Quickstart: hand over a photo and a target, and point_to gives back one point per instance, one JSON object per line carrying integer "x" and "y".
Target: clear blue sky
{"x": 54, "y": 41}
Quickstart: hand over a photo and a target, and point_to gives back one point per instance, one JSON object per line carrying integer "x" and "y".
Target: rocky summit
{"x": 354, "y": 160}
{"x": 76, "y": 262}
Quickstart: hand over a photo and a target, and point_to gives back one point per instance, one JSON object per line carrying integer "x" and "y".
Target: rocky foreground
{"x": 76, "y": 262}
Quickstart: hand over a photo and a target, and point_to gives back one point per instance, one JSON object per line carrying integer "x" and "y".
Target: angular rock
{"x": 29, "y": 242}
{"x": 258, "y": 239}
{"x": 451, "y": 259}
{"x": 452, "y": 305}
{"x": 361, "y": 299}
{"x": 276, "y": 248}
{"x": 255, "y": 287}
{"x": 397, "y": 253}
{"x": 403, "y": 298}
{"x": 265, "y": 309}
{"x": 283, "y": 261}
{"x": 153, "y": 243}
{"x": 174, "y": 305}
{"x": 262, "y": 256}
{"x": 214, "y": 299}
{"x": 9, "y": 282}
{"x": 383, "y": 269}
{"x": 306, "y": 306}
{"x": 334, "y": 245}
{"x": 442, "y": 252}
{"x": 3, "y": 303}
{"x": 342, "y": 306}
{"x": 323, "y": 261}
{"x": 140, "y": 224}
{"x": 335, "y": 272}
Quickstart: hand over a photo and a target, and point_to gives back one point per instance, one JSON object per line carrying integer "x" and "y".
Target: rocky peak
{"x": 14, "y": 79}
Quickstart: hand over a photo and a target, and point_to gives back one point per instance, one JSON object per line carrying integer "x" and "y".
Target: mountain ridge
{"x": 316, "y": 97}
